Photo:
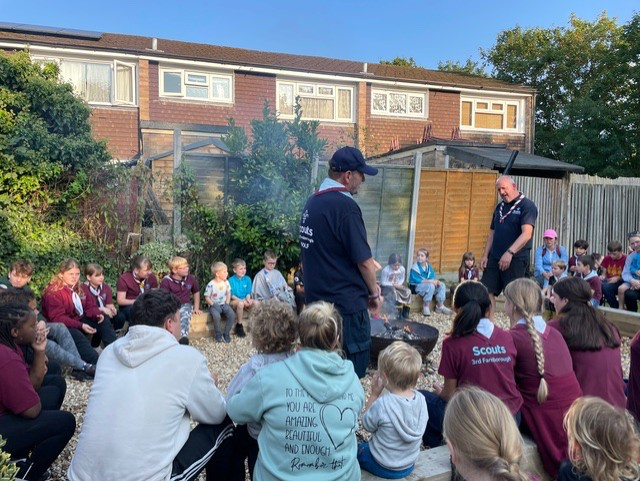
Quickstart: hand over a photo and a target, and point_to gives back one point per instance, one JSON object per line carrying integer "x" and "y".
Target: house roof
{"x": 137, "y": 45}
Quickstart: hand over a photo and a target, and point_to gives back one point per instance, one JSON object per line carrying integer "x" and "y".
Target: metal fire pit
{"x": 427, "y": 337}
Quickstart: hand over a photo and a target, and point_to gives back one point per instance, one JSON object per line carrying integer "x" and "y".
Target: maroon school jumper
{"x": 16, "y": 391}
{"x": 482, "y": 362}
{"x": 633, "y": 400}
{"x": 599, "y": 372}
{"x": 181, "y": 288}
{"x": 90, "y": 303}
{"x": 57, "y": 306}
{"x": 131, "y": 287}
{"x": 545, "y": 420}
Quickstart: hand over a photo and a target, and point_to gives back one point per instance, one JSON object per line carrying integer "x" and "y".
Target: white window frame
{"x": 184, "y": 73}
{"x": 316, "y": 94}
{"x": 408, "y": 94}
{"x": 113, "y": 64}
{"x": 519, "y": 104}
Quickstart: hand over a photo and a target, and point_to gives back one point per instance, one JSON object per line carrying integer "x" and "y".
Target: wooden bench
{"x": 627, "y": 322}
{"x": 435, "y": 465}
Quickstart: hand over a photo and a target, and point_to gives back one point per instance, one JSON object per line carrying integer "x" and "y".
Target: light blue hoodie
{"x": 308, "y": 405}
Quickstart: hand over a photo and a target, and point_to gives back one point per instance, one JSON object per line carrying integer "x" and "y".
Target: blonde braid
{"x": 543, "y": 388}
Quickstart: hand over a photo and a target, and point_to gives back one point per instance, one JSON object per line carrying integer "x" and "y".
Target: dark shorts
{"x": 495, "y": 280}
{"x": 356, "y": 340}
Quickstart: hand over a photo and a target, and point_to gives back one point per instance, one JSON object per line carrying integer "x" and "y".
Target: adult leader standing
{"x": 336, "y": 257}
{"x": 508, "y": 250}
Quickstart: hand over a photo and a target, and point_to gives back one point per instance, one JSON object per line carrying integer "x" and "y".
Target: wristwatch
{"x": 511, "y": 252}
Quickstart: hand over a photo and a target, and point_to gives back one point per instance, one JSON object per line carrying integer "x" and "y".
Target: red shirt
{"x": 132, "y": 289}
{"x": 596, "y": 285}
{"x": 57, "y": 306}
{"x": 487, "y": 363}
{"x": 90, "y": 302}
{"x": 633, "y": 400}
{"x": 16, "y": 392}
{"x": 613, "y": 267}
{"x": 599, "y": 372}
{"x": 182, "y": 288}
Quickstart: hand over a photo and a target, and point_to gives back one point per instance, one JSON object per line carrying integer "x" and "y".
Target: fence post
{"x": 415, "y": 195}
{"x": 177, "y": 208}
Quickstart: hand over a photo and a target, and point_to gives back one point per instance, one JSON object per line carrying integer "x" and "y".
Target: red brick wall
{"x": 337, "y": 135}
{"x": 250, "y": 92}
{"x": 119, "y": 127}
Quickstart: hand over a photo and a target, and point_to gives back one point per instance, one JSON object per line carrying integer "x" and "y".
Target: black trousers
{"x": 631, "y": 300}
{"x": 244, "y": 447}
{"x": 104, "y": 329}
{"x": 52, "y": 391}
{"x": 39, "y": 440}
{"x": 87, "y": 353}
{"x": 208, "y": 446}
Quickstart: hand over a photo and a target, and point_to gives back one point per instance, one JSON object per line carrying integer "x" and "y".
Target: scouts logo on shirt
{"x": 487, "y": 355}
{"x": 305, "y": 216}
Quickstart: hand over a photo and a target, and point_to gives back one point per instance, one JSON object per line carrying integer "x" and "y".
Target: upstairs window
{"x": 398, "y": 103}
{"x": 318, "y": 101}
{"x": 194, "y": 85}
{"x": 102, "y": 83}
{"x": 490, "y": 114}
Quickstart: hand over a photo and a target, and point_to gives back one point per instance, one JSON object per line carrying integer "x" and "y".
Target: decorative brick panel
{"x": 119, "y": 127}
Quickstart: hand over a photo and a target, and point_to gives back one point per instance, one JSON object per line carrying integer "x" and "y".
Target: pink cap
{"x": 550, "y": 233}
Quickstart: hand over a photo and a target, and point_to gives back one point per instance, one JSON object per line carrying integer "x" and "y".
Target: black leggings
{"x": 87, "y": 353}
{"x": 39, "y": 440}
{"x": 52, "y": 391}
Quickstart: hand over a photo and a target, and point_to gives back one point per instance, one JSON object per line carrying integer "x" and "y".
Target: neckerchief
{"x": 77, "y": 302}
{"x": 96, "y": 292}
{"x": 513, "y": 207}
{"x": 469, "y": 273}
{"x": 141, "y": 282}
{"x": 176, "y": 281}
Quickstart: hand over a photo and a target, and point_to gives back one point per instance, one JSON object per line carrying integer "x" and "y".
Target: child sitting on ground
{"x": 19, "y": 276}
{"x": 587, "y": 269}
{"x": 98, "y": 300}
{"x": 468, "y": 269}
{"x": 580, "y": 248}
{"x": 183, "y": 285}
{"x": 603, "y": 444}
{"x": 273, "y": 333}
{"x": 391, "y": 283}
{"x": 270, "y": 284}
{"x": 241, "y": 299}
{"x": 398, "y": 418}
{"x": 217, "y": 295}
{"x": 422, "y": 281}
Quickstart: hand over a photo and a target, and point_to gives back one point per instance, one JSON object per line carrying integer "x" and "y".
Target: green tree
{"x": 400, "y": 62}
{"x": 58, "y": 191}
{"x": 583, "y": 74}
{"x": 470, "y": 67}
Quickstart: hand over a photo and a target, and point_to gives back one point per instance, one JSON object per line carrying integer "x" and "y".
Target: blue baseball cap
{"x": 350, "y": 158}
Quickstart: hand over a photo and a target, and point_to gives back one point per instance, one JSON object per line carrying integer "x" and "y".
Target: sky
{"x": 362, "y": 30}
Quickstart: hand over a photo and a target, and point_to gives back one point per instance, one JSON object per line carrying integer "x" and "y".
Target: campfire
{"x": 386, "y": 330}
{"x": 398, "y": 333}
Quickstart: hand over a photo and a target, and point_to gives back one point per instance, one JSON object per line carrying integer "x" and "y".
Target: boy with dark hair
{"x": 580, "y": 248}
{"x": 147, "y": 383}
{"x": 586, "y": 267}
{"x": 20, "y": 273}
{"x": 612, "y": 265}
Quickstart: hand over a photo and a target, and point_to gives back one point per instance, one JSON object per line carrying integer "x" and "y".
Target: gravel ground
{"x": 226, "y": 359}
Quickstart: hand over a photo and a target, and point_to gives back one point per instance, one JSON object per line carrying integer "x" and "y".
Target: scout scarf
{"x": 96, "y": 292}
{"x": 77, "y": 302}
{"x": 513, "y": 207}
{"x": 175, "y": 281}
{"x": 141, "y": 282}
{"x": 331, "y": 189}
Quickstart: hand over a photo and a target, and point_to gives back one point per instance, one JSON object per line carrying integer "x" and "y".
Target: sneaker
{"x": 218, "y": 337}
{"x": 227, "y": 338}
{"x": 240, "y": 331}
{"x": 79, "y": 375}
{"x": 443, "y": 310}
{"x": 184, "y": 340}
{"x": 89, "y": 370}
{"x": 425, "y": 310}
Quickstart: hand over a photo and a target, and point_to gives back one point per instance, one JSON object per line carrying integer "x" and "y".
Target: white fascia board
{"x": 270, "y": 70}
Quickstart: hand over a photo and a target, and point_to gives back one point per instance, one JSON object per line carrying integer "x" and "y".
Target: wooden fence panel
{"x": 431, "y": 203}
{"x": 482, "y": 204}
{"x": 455, "y": 227}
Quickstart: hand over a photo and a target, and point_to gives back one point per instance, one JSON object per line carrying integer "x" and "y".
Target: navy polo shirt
{"x": 333, "y": 241}
{"x": 505, "y": 233}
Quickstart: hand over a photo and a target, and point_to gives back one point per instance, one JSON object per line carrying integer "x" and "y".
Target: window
{"x": 318, "y": 102}
{"x": 187, "y": 84}
{"x": 110, "y": 83}
{"x": 488, "y": 114}
{"x": 397, "y": 103}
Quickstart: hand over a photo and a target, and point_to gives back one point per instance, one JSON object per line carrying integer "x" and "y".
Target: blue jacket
{"x": 543, "y": 263}
{"x": 418, "y": 274}
{"x": 308, "y": 406}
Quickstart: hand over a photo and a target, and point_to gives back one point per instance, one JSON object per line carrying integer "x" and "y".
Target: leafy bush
{"x": 159, "y": 254}
{"x": 8, "y": 470}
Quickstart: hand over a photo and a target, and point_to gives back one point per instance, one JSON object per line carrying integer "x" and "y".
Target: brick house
{"x": 141, "y": 89}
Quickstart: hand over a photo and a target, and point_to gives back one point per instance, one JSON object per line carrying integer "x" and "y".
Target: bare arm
{"x": 487, "y": 249}
{"x": 196, "y": 303}
{"x": 525, "y": 236}
{"x": 368, "y": 271}
{"x": 121, "y": 299}
{"x": 32, "y": 412}
{"x": 450, "y": 386}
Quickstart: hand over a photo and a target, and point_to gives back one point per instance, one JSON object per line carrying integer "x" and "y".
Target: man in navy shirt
{"x": 506, "y": 255}
{"x": 336, "y": 257}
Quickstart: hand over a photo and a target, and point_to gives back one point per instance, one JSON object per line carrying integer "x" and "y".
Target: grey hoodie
{"x": 397, "y": 424}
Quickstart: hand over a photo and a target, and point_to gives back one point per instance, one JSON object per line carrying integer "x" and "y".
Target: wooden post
{"x": 177, "y": 160}
{"x": 413, "y": 220}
